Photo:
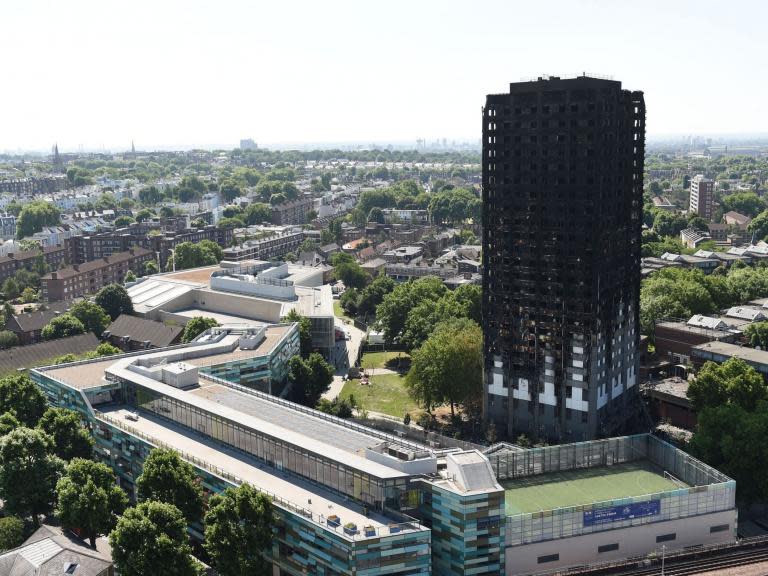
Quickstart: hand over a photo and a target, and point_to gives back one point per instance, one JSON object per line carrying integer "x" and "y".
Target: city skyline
{"x": 190, "y": 75}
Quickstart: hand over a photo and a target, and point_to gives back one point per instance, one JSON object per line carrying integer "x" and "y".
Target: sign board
{"x": 620, "y": 513}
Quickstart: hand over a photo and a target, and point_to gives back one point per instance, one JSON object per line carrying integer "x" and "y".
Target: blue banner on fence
{"x": 619, "y": 513}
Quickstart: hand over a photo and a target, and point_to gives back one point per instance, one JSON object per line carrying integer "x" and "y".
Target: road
{"x": 346, "y": 355}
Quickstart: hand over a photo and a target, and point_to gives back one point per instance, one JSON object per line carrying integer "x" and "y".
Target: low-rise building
{"x": 397, "y": 216}
{"x": 52, "y": 550}
{"x": 134, "y": 333}
{"x": 691, "y": 238}
{"x": 88, "y": 278}
{"x": 28, "y": 326}
{"x": 736, "y": 219}
{"x": 404, "y": 255}
{"x": 675, "y": 340}
{"x": 721, "y": 351}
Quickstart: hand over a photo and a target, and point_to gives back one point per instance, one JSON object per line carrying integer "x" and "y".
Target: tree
{"x": 35, "y": 215}
{"x": 11, "y": 533}
{"x": 310, "y": 378}
{"x": 759, "y": 226}
{"x": 91, "y": 315}
{"x": 192, "y": 255}
{"x": 28, "y": 473}
{"x": 196, "y": 326}
{"x": 152, "y": 539}
{"x": 747, "y": 203}
{"x": 346, "y": 269}
{"x": 123, "y": 221}
{"x": 257, "y": 213}
{"x": 229, "y": 190}
{"x": 668, "y": 224}
{"x": 150, "y": 196}
{"x": 11, "y": 289}
{"x": 89, "y": 499}
{"x": 114, "y": 300}
{"x": 23, "y": 398}
{"x": 757, "y": 333}
{"x": 732, "y": 439}
{"x": 106, "y": 349}
{"x": 423, "y": 318}
{"x": 144, "y": 214}
{"x": 129, "y": 277}
{"x": 167, "y": 478}
{"x": 732, "y": 382}
{"x": 70, "y": 438}
{"x": 8, "y": 339}
{"x": 238, "y": 530}
{"x": 151, "y": 267}
{"x": 305, "y": 331}
{"x": 394, "y": 309}
{"x": 448, "y": 366}
{"x": 376, "y": 215}
{"x": 8, "y": 423}
{"x": 61, "y": 327}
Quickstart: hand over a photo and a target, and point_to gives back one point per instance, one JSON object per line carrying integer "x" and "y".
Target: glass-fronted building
{"x": 352, "y": 499}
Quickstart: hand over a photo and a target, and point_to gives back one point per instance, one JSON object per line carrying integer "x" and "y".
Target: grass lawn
{"x": 380, "y": 359}
{"x": 338, "y": 311}
{"x": 584, "y": 486}
{"x": 385, "y": 394}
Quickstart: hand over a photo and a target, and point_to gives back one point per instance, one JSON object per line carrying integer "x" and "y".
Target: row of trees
{"x": 45, "y": 467}
{"x": 90, "y": 316}
{"x": 682, "y": 292}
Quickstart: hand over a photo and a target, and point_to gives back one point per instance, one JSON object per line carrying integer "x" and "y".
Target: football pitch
{"x": 584, "y": 486}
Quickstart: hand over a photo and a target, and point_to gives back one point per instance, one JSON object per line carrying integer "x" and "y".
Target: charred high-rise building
{"x": 562, "y": 217}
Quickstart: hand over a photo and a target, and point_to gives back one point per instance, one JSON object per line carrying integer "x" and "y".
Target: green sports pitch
{"x": 582, "y": 486}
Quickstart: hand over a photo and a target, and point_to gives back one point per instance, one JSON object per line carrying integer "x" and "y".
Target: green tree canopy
{"x": 346, "y": 269}
{"x": 747, "y": 203}
{"x": 8, "y": 423}
{"x": 70, "y": 438}
{"x": 448, "y": 366}
{"x": 759, "y": 226}
{"x": 114, "y": 300}
{"x": 305, "y": 331}
{"x": 394, "y": 309}
{"x": 193, "y": 255}
{"x": 28, "y": 473}
{"x": 732, "y": 439}
{"x": 310, "y": 378}
{"x": 238, "y": 529}
{"x": 168, "y": 478}
{"x": 89, "y": 498}
{"x": 196, "y": 326}
{"x": 11, "y": 533}
{"x": 257, "y": 213}
{"x": 732, "y": 382}
{"x": 229, "y": 190}
{"x": 92, "y": 316}
{"x": 34, "y": 215}
{"x": 23, "y": 398}
{"x": 61, "y": 327}
{"x": 152, "y": 539}
{"x": 8, "y": 339}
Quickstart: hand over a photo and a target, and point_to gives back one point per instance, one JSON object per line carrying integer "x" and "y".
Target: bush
{"x": 8, "y": 339}
{"x": 11, "y": 533}
{"x": 62, "y": 326}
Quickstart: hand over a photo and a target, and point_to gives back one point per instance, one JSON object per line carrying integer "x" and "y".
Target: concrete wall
{"x": 632, "y": 541}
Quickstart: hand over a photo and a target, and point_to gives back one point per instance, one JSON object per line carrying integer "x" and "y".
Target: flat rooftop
{"x": 734, "y": 351}
{"x": 91, "y": 375}
{"x": 220, "y": 317}
{"x": 195, "y": 275}
{"x": 582, "y": 486}
{"x": 321, "y": 502}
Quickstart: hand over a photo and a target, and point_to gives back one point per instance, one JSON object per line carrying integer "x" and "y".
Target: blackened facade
{"x": 562, "y": 215}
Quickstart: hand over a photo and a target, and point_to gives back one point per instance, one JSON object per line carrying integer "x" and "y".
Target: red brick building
{"x": 90, "y": 277}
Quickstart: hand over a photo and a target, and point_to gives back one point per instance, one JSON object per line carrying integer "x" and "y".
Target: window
{"x": 548, "y": 558}
{"x": 719, "y": 528}
{"x": 666, "y": 537}
{"x": 607, "y": 548}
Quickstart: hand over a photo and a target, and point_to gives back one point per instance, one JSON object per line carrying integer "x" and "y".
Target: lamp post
{"x": 663, "y": 554}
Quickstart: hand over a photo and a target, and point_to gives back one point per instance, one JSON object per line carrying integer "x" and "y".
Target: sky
{"x": 165, "y": 73}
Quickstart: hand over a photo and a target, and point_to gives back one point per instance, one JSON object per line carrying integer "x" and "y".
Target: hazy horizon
{"x": 194, "y": 74}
